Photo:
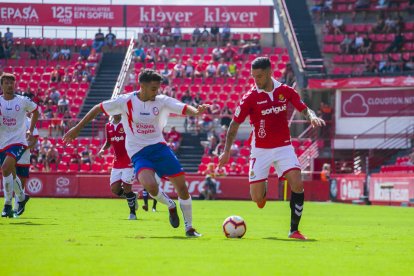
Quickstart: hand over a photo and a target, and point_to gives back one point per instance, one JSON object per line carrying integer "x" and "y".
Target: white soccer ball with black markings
{"x": 234, "y": 227}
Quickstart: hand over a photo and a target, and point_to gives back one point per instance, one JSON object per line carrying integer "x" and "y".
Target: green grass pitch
{"x": 93, "y": 237}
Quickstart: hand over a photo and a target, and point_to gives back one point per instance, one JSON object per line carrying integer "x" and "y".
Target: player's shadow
{"x": 155, "y": 237}
{"x": 29, "y": 223}
{"x": 289, "y": 240}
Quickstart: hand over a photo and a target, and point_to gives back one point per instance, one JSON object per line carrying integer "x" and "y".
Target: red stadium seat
{"x": 73, "y": 167}
{"x": 95, "y": 167}
{"x": 85, "y": 167}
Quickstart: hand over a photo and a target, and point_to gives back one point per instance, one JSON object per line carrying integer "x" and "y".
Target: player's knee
{"x": 256, "y": 197}
{"x": 6, "y": 169}
{"x": 115, "y": 189}
{"x": 296, "y": 187}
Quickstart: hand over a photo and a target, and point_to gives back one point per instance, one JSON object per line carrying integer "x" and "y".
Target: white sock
{"x": 18, "y": 189}
{"x": 164, "y": 199}
{"x": 16, "y": 203}
{"x": 187, "y": 209}
{"x": 8, "y": 189}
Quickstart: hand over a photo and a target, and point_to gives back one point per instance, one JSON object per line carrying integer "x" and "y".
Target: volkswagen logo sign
{"x": 34, "y": 185}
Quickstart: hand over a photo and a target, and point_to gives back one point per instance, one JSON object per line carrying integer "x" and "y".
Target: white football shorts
{"x": 283, "y": 159}
{"x": 125, "y": 175}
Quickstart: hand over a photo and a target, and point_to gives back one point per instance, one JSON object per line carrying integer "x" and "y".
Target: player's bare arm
{"x": 29, "y": 134}
{"x": 74, "y": 131}
{"x": 104, "y": 147}
{"x": 312, "y": 118}
{"x": 192, "y": 111}
{"x": 231, "y": 135}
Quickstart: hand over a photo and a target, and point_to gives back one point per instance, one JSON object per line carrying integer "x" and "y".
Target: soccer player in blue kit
{"x": 144, "y": 115}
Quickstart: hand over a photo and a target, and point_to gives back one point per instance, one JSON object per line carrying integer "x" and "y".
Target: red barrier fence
{"x": 134, "y": 15}
{"x": 362, "y": 82}
{"x": 97, "y": 185}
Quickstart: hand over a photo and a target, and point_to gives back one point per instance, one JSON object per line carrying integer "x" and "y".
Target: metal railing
{"x": 119, "y": 86}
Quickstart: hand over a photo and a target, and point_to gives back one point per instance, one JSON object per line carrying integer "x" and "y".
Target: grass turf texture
{"x": 93, "y": 236}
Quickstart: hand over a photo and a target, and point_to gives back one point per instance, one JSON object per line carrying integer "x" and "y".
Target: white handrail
{"x": 119, "y": 86}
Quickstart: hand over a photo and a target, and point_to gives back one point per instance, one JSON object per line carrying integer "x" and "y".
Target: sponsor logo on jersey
{"x": 9, "y": 121}
{"x": 144, "y": 113}
{"x": 117, "y": 139}
{"x": 121, "y": 130}
{"x": 252, "y": 175}
{"x": 282, "y": 98}
{"x": 155, "y": 110}
{"x": 274, "y": 109}
{"x": 17, "y": 107}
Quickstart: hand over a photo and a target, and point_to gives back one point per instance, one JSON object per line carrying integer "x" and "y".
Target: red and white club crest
{"x": 155, "y": 110}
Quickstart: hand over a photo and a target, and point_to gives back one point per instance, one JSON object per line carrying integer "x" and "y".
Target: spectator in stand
{"x": 196, "y": 36}
{"x": 33, "y": 51}
{"x": 326, "y": 172}
{"x": 2, "y": 51}
{"x": 63, "y": 105}
{"x": 163, "y": 54}
{"x": 229, "y": 53}
{"x": 87, "y": 75}
{"x": 255, "y": 48}
{"x": 411, "y": 7}
{"x": 110, "y": 39}
{"x": 233, "y": 69}
{"x": 28, "y": 93}
{"x": 383, "y": 4}
{"x": 199, "y": 69}
{"x": 99, "y": 41}
{"x": 174, "y": 138}
{"x": 67, "y": 121}
{"x": 288, "y": 76}
{"x": 226, "y": 33}
{"x": 325, "y": 111}
{"x": 338, "y": 25}
{"x": 52, "y": 158}
{"x": 55, "y": 96}
{"x": 86, "y": 156}
{"x": 217, "y": 53}
{"x": 399, "y": 24}
{"x": 75, "y": 157}
{"x": 92, "y": 60}
{"x": 65, "y": 53}
{"x": 223, "y": 69}
{"x": 215, "y": 108}
{"x": 345, "y": 168}
{"x": 328, "y": 28}
{"x": 55, "y": 75}
{"x": 397, "y": 44}
{"x": 358, "y": 43}
{"x": 390, "y": 25}
{"x": 198, "y": 100}
{"x": 84, "y": 51}
{"x": 187, "y": 98}
{"x": 46, "y": 144}
{"x": 146, "y": 33}
{"x": 55, "y": 127}
{"x": 215, "y": 33}
{"x": 219, "y": 148}
{"x": 139, "y": 54}
{"x": 234, "y": 169}
{"x": 320, "y": 7}
{"x": 8, "y": 36}
{"x": 206, "y": 124}
{"x": 370, "y": 65}
{"x": 408, "y": 65}
{"x": 151, "y": 55}
{"x": 345, "y": 45}
{"x": 166, "y": 33}
{"x": 211, "y": 70}
{"x": 176, "y": 34}
{"x": 166, "y": 75}
{"x": 189, "y": 69}
{"x": 79, "y": 65}
{"x": 45, "y": 54}
{"x": 156, "y": 32}
{"x": 179, "y": 69}
{"x": 56, "y": 54}
{"x": 366, "y": 46}
{"x": 379, "y": 26}
{"x": 226, "y": 116}
{"x": 205, "y": 35}
{"x": 360, "y": 5}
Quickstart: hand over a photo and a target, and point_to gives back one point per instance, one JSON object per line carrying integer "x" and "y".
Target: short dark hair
{"x": 149, "y": 75}
{"x": 261, "y": 63}
{"x": 7, "y": 76}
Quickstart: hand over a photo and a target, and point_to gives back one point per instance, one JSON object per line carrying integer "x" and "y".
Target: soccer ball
{"x": 234, "y": 227}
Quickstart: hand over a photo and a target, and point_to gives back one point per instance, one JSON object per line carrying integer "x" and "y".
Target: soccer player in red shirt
{"x": 122, "y": 173}
{"x": 266, "y": 104}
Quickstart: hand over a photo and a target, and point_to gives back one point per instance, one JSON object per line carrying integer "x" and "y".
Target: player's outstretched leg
{"x": 258, "y": 192}
{"x": 147, "y": 179}
{"x": 185, "y": 201}
{"x": 296, "y": 204}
